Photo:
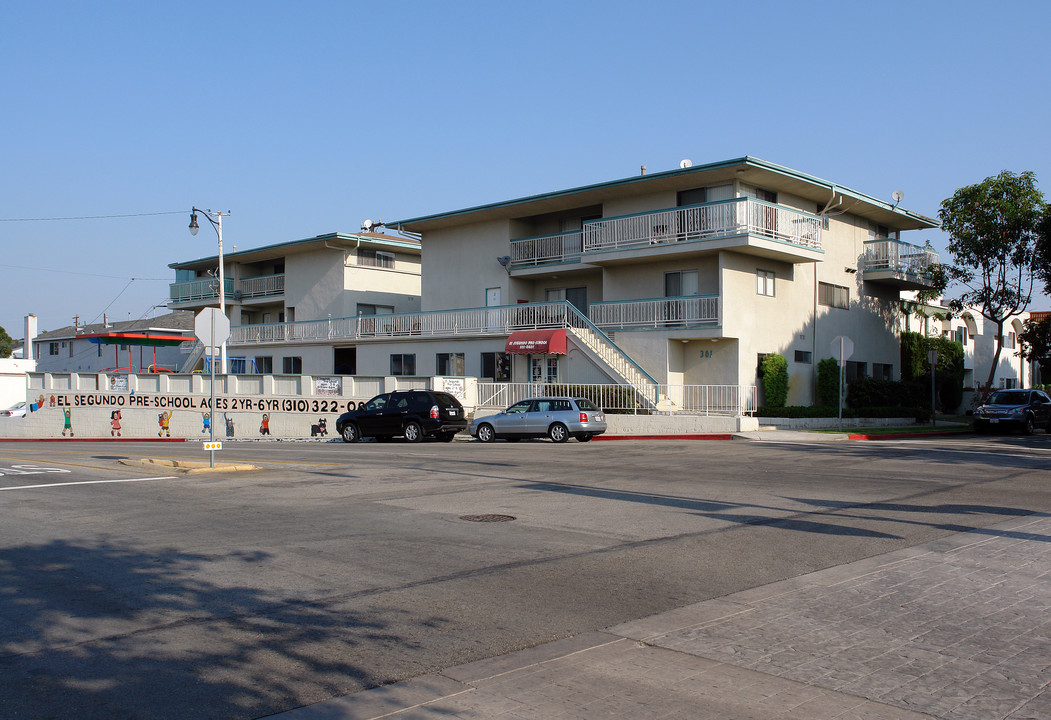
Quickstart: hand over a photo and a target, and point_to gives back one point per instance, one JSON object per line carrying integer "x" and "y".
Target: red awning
{"x": 538, "y": 342}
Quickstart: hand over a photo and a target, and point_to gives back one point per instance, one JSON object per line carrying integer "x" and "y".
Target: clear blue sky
{"x": 306, "y": 118}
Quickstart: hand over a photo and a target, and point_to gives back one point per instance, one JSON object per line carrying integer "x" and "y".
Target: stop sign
{"x": 211, "y": 327}
{"x": 842, "y": 348}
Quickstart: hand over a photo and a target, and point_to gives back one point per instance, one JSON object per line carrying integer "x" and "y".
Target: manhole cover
{"x": 487, "y": 518}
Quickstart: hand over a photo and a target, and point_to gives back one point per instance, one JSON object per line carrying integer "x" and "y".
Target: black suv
{"x": 414, "y": 414}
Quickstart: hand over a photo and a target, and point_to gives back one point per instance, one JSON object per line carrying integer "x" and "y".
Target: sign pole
{"x": 932, "y": 356}
{"x": 211, "y": 410}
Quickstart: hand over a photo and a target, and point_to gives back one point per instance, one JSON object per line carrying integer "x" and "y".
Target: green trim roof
{"x": 240, "y": 255}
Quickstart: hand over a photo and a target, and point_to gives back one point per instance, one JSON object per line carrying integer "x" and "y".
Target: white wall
{"x": 13, "y": 380}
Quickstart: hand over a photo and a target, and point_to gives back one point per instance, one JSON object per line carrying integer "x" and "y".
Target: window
{"x": 764, "y": 282}
{"x": 369, "y": 309}
{"x": 403, "y": 364}
{"x": 1010, "y": 340}
{"x": 882, "y": 371}
{"x": 680, "y": 283}
{"x": 1008, "y": 383}
{"x": 265, "y": 364}
{"x": 835, "y": 296}
{"x": 577, "y": 296}
{"x": 52, "y": 348}
{"x": 855, "y": 370}
{"x": 496, "y": 365}
{"x": 71, "y": 347}
{"x": 960, "y": 335}
{"x": 292, "y": 365}
{"x": 696, "y": 196}
{"x": 449, "y": 364}
{"x": 345, "y": 361}
{"x": 375, "y": 258}
{"x": 804, "y": 356}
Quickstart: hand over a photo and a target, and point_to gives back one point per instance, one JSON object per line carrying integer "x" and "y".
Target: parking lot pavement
{"x": 957, "y": 628}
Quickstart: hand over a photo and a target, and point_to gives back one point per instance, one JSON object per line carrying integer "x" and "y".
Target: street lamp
{"x": 217, "y": 224}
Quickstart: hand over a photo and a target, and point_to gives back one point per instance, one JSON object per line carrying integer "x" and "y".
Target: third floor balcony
{"x": 742, "y": 224}
{"x": 898, "y": 263}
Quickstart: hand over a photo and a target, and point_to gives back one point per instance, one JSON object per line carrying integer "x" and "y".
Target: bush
{"x": 828, "y": 382}
{"x": 775, "y": 380}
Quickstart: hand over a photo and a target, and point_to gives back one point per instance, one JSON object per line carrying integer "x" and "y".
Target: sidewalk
{"x": 957, "y": 628}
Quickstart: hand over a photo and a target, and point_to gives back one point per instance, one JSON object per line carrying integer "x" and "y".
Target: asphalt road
{"x": 335, "y": 568}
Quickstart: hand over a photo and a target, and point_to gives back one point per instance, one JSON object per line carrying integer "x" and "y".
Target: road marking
{"x": 89, "y": 482}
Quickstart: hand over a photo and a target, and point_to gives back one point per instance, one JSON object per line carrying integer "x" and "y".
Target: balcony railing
{"x": 696, "y": 223}
{"x": 675, "y": 312}
{"x": 898, "y": 256}
{"x": 442, "y": 323}
{"x": 254, "y": 287}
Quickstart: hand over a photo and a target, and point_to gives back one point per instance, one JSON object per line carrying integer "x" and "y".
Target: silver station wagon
{"x": 558, "y": 418}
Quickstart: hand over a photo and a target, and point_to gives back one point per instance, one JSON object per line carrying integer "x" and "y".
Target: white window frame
{"x": 765, "y": 282}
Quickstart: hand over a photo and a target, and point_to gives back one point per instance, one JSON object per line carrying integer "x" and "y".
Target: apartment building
{"x": 290, "y": 304}
{"x": 661, "y": 282}
{"x": 680, "y": 278}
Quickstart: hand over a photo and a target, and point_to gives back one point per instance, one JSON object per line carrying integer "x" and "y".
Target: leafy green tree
{"x": 1035, "y": 342}
{"x": 775, "y": 380}
{"x": 993, "y": 228}
{"x": 7, "y": 344}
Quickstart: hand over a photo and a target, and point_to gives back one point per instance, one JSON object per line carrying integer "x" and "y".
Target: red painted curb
{"x": 899, "y": 436}
{"x": 664, "y": 437}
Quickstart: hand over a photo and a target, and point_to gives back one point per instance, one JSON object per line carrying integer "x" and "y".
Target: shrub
{"x": 775, "y": 380}
{"x": 828, "y": 382}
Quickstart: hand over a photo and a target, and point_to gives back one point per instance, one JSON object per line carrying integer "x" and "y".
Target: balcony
{"x": 694, "y": 311}
{"x": 203, "y": 291}
{"x": 897, "y": 263}
{"x": 742, "y": 224}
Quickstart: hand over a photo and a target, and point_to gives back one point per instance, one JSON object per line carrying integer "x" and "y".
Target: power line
{"x": 73, "y": 272}
{"x": 93, "y": 217}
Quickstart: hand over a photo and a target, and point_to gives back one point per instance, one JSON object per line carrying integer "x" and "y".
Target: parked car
{"x": 18, "y": 410}
{"x": 1014, "y": 410}
{"x": 558, "y": 418}
{"x": 412, "y": 414}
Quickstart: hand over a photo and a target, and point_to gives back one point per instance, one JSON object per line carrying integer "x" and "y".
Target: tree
{"x": 993, "y": 228}
{"x": 1035, "y": 342}
{"x": 7, "y": 344}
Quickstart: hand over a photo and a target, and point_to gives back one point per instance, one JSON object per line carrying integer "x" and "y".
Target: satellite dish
{"x": 898, "y": 196}
{"x": 367, "y": 225}
{"x": 685, "y": 163}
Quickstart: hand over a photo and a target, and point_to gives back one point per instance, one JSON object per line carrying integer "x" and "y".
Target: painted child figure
{"x": 68, "y": 424}
{"x": 114, "y": 422}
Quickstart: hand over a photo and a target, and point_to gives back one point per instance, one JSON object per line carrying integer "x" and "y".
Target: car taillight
{"x": 434, "y": 412}
{"x": 583, "y": 417}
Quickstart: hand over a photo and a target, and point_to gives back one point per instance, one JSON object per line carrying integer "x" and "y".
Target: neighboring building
{"x": 680, "y": 278}
{"x": 277, "y": 295}
{"x": 977, "y": 335}
{"x": 128, "y": 346}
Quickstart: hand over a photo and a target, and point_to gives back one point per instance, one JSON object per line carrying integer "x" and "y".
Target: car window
{"x": 445, "y": 400}
{"x": 1041, "y": 397}
{"x": 520, "y": 407}
{"x": 561, "y": 405}
{"x": 543, "y": 406}
{"x": 1009, "y": 397}
{"x": 377, "y": 403}
{"x": 400, "y": 403}
{"x": 585, "y": 404}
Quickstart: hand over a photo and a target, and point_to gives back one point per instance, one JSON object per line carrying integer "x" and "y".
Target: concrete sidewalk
{"x": 957, "y": 628}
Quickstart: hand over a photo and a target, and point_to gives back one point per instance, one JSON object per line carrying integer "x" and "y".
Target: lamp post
{"x": 217, "y": 224}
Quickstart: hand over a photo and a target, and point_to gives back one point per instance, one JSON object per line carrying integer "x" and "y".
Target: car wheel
{"x": 1028, "y": 426}
{"x": 350, "y": 433}
{"x": 413, "y": 432}
{"x": 585, "y": 437}
{"x": 486, "y": 433}
{"x": 558, "y": 432}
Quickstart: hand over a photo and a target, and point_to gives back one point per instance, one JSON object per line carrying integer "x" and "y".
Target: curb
{"x": 189, "y": 467}
{"x": 899, "y": 436}
{"x": 709, "y": 436}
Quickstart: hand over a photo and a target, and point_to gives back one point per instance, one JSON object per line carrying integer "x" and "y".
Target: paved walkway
{"x": 958, "y": 628}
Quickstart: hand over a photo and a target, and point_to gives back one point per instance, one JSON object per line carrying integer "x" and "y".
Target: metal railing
{"x": 898, "y": 256}
{"x": 673, "y": 312}
{"x": 694, "y": 223}
{"x": 263, "y": 286}
{"x": 732, "y": 400}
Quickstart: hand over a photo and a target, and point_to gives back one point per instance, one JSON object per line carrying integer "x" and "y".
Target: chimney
{"x": 30, "y": 336}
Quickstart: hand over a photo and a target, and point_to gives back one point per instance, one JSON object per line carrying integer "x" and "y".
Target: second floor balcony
{"x": 743, "y": 224}
{"x": 207, "y": 290}
{"x": 898, "y": 263}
